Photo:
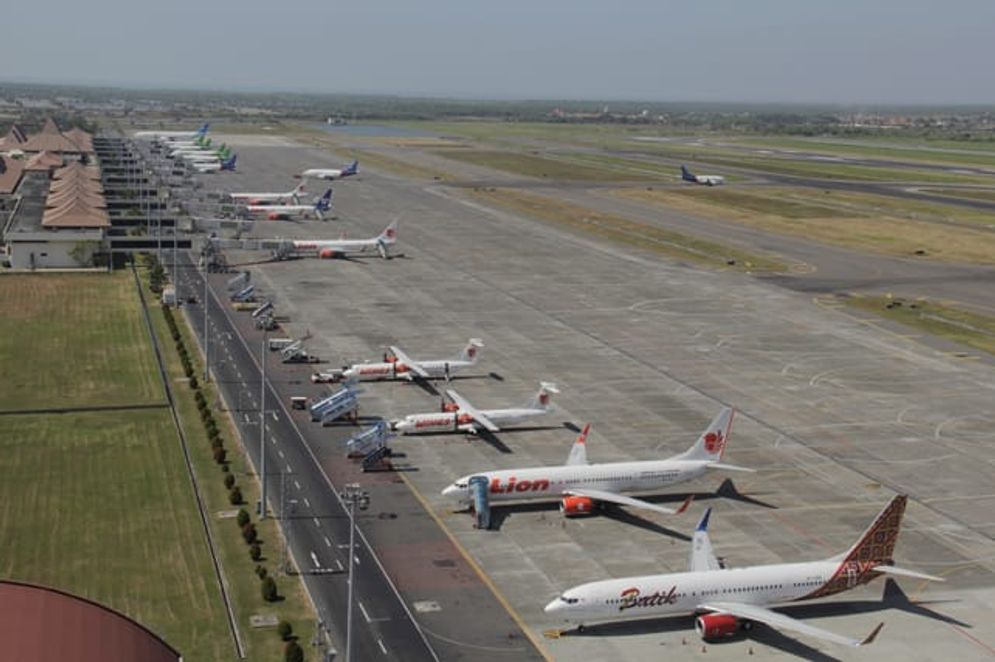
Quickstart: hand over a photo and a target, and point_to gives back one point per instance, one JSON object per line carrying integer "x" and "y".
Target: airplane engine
{"x": 327, "y": 253}
{"x": 274, "y": 216}
{"x": 450, "y": 406}
{"x": 573, "y": 506}
{"x": 716, "y": 626}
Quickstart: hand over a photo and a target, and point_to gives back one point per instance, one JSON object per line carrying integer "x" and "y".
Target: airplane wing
{"x": 414, "y": 366}
{"x": 611, "y": 497}
{"x": 478, "y": 417}
{"x": 702, "y": 556}
{"x": 781, "y": 622}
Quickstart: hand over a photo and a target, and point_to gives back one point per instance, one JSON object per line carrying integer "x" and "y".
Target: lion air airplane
{"x": 261, "y": 199}
{"x": 287, "y": 212}
{"x": 579, "y": 486}
{"x": 327, "y": 249}
{"x": 462, "y": 416}
{"x": 399, "y": 365}
{"x": 730, "y": 599}
{"x": 332, "y": 173}
{"x": 174, "y": 134}
{"x": 707, "y": 180}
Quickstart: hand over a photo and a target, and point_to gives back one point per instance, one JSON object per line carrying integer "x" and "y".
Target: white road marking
{"x": 306, "y": 502}
{"x": 339, "y": 564}
{"x": 273, "y": 414}
{"x": 328, "y": 542}
{"x": 280, "y": 453}
{"x": 314, "y": 559}
{"x": 382, "y": 647}
{"x": 317, "y": 522}
{"x": 363, "y": 609}
{"x": 289, "y": 470}
{"x": 297, "y": 484}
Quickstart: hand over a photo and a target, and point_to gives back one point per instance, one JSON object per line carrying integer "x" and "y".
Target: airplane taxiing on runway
{"x": 730, "y": 599}
{"x": 579, "y": 486}
{"x": 269, "y": 198}
{"x": 400, "y": 366}
{"x": 332, "y": 173}
{"x": 288, "y": 212}
{"x": 327, "y": 249}
{"x": 460, "y": 415}
{"x": 707, "y": 180}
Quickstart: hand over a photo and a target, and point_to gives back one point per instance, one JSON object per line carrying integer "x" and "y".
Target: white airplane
{"x": 214, "y": 166}
{"x": 400, "y": 366}
{"x": 729, "y": 599}
{"x": 288, "y": 212}
{"x": 579, "y": 486}
{"x": 461, "y": 415}
{"x": 707, "y": 180}
{"x": 146, "y": 135}
{"x": 267, "y": 198}
{"x": 332, "y": 173}
{"x": 332, "y": 248}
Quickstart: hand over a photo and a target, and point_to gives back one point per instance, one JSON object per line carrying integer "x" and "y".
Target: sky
{"x": 805, "y": 51}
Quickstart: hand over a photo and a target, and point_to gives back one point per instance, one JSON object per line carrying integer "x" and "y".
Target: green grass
{"x": 73, "y": 340}
{"x": 261, "y": 644}
{"x": 909, "y": 152}
{"x": 99, "y": 504}
{"x": 642, "y": 236}
{"x": 764, "y": 202}
{"x": 972, "y": 194}
{"x": 956, "y": 324}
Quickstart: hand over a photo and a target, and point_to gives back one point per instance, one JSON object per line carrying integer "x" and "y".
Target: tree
{"x": 242, "y": 518}
{"x": 230, "y": 481}
{"x": 293, "y": 652}
{"x": 219, "y": 454}
{"x": 260, "y": 572}
{"x": 255, "y": 551}
{"x": 268, "y": 588}
{"x": 249, "y": 532}
{"x": 284, "y": 629}
{"x": 235, "y": 497}
{"x": 82, "y": 252}
{"x": 193, "y": 383}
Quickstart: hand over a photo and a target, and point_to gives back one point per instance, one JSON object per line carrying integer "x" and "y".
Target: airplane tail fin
{"x": 543, "y": 396}
{"x": 389, "y": 234}
{"x": 877, "y": 544}
{"x": 351, "y": 169}
{"x": 472, "y": 350}
{"x": 687, "y": 175}
{"x": 202, "y": 131}
{"x": 324, "y": 203}
{"x": 230, "y": 163}
{"x": 711, "y": 444}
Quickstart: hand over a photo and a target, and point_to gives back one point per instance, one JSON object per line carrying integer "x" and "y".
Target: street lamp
{"x": 354, "y": 496}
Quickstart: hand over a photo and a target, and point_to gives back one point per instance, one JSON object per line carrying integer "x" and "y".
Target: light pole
{"x": 207, "y": 337}
{"x": 262, "y": 431}
{"x": 354, "y": 496}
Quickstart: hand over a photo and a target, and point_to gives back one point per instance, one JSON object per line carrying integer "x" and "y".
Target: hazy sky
{"x": 891, "y": 51}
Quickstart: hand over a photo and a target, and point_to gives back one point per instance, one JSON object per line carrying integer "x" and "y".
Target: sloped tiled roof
{"x": 14, "y": 139}
{"x": 75, "y": 199}
{"x": 44, "y": 161}
{"x": 10, "y": 174}
{"x": 83, "y": 139}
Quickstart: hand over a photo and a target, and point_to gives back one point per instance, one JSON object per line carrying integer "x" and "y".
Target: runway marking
{"x": 328, "y": 543}
{"x": 382, "y": 647}
{"x": 480, "y": 572}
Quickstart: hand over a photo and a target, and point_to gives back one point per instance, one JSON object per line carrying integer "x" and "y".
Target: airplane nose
{"x": 554, "y": 606}
{"x": 449, "y": 491}
{"x": 401, "y": 426}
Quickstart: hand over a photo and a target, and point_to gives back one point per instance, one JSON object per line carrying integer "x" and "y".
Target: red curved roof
{"x": 48, "y": 625}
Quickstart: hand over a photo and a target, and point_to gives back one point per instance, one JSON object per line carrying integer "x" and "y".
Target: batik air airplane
{"x": 730, "y": 599}
{"x": 460, "y": 415}
{"x": 579, "y": 486}
{"x": 202, "y": 131}
{"x": 288, "y": 212}
{"x": 261, "y": 199}
{"x": 215, "y": 166}
{"x": 332, "y": 173}
{"x": 327, "y": 249}
{"x": 707, "y": 180}
{"x": 399, "y": 365}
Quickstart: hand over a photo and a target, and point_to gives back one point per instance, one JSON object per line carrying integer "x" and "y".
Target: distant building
{"x": 44, "y": 624}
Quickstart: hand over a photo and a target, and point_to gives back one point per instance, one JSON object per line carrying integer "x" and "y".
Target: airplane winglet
{"x": 703, "y": 522}
{"x": 583, "y": 434}
{"x": 872, "y": 636}
{"x": 684, "y": 506}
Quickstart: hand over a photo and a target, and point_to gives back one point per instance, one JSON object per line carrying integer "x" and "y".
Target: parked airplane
{"x": 579, "y": 486}
{"x": 173, "y": 134}
{"x": 288, "y": 212}
{"x": 400, "y": 366}
{"x": 342, "y": 247}
{"x": 461, "y": 415}
{"x": 707, "y": 180}
{"x": 332, "y": 173}
{"x": 199, "y": 141}
{"x": 201, "y": 154}
{"x": 269, "y": 198}
{"x": 215, "y": 166}
{"x": 730, "y": 599}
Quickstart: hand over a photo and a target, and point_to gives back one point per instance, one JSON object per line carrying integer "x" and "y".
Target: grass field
{"x": 99, "y": 504}
{"x": 530, "y": 165}
{"x": 854, "y": 224}
{"x": 73, "y": 340}
{"x": 909, "y": 151}
{"x": 973, "y": 194}
{"x": 948, "y": 322}
{"x": 643, "y": 236}
{"x": 261, "y": 644}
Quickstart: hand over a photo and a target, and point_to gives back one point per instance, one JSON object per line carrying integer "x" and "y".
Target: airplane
{"x": 342, "y": 247}
{"x": 707, "y": 180}
{"x": 199, "y": 141}
{"x": 401, "y": 366}
{"x": 215, "y": 166}
{"x": 286, "y": 212}
{"x": 332, "y": 173}
{"x": 731, "y": 599}
{"x": 202, "y": 131}
{"x": 267, "y": 198}
{"x": 579, "y": 486}
{"x": 461, "y": 415}
{"x": 199, "y": 154}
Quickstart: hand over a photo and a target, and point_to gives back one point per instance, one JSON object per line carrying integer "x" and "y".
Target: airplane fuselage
{"x": 456, "y": 420}
{"x": 334, "y": 246}
{"x": 550, "y": 483}
{"x": 387, "y": 370}
{"x": 682, "y": 593}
